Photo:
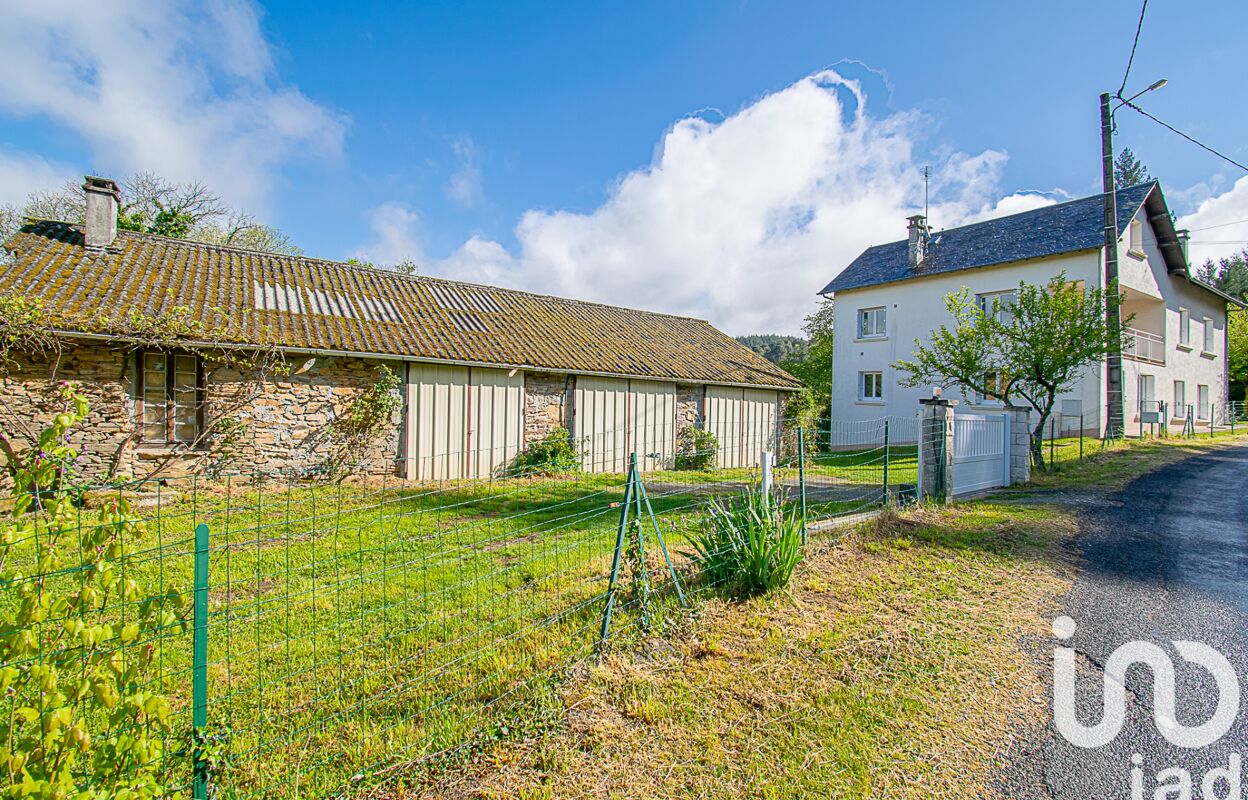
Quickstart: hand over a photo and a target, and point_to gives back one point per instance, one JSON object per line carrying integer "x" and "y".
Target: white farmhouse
{"x": 1174, "y": 349}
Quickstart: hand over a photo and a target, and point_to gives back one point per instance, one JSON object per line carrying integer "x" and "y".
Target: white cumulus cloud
{"x": 1219, "y": 225}
{"x": 465, "y": 185}
{"x": 184, "y": 89}
{"x": 742, "y": 220}
{"x": 22, "y": 173}
{"x": 396, "y": 236}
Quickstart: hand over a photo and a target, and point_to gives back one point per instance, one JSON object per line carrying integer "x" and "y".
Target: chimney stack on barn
{"x": 917, "y": 250}
{"x": 103, "y": 197}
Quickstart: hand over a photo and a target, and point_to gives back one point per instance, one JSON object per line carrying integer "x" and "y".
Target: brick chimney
{"x": 103, "y": 197}
{"x": 917, "y": 249}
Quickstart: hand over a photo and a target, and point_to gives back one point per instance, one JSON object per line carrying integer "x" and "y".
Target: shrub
{"x": 553, "y": 455}
{"x": 78, "y": 638}
{"x": 750, "y": 545}
{"x": 696, "y": 449}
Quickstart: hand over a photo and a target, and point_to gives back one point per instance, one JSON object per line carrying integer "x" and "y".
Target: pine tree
{"x": 1129, "y": 170}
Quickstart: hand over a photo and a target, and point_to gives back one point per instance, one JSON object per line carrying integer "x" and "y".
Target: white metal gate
{"x": 981, "y": 452}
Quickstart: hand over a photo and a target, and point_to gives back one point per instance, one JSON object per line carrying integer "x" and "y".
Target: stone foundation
{"x": 547, "y": 401}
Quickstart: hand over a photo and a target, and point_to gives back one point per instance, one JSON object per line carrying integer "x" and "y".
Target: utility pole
{"x": 1113, "y": 316}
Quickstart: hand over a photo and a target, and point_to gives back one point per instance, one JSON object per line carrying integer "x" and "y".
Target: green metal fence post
{"x": 801, "y": 475}
{"x": 619, "y": 552}
{"x": 886, "y": 461}
{"x": 199, "y": 674}
{"x": 658, "y": 533}
{"x": 1080, "y": 438}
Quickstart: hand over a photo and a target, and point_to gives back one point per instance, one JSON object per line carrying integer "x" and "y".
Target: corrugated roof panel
{"x": 334, "y": 306}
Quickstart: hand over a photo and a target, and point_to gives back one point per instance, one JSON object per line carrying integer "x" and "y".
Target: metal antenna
{"x": 927, "y": 174}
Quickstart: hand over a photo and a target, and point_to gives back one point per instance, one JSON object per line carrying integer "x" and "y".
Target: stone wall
{"x": 287, "y": 421}
{"x": 690, "y": 406}
{"x": 30, "y": 398}
{"x": 547, "y": 400}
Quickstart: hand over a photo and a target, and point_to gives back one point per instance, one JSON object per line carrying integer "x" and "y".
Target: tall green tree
{"x": 1230, "y": 275}
{"x": 775, "y": 347}
{"x": 1034, "y": 347}
{"x": 814, "y": 366}
{"x": 1129, "y": 170}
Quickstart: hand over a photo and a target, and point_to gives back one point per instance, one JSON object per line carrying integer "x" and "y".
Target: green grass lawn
{"x": 890, "y": 668}
{"x": 360, "y": 630}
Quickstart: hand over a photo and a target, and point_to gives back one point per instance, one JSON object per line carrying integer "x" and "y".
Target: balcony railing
{"x": 1143, "y": 346}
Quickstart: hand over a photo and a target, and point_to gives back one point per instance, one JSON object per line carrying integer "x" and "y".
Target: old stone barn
{"x": 198, "y": 356}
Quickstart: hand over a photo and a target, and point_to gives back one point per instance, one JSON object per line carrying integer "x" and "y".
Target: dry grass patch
{"x": 892, "y": 668}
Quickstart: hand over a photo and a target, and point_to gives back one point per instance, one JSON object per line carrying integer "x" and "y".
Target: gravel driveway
{"x": 1165, "y": 559}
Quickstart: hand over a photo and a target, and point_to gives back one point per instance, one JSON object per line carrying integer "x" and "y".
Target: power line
{"x": 1173, "y": 129}
{"x": 1139, "y": 27}
{"x": 1219, "y": 225}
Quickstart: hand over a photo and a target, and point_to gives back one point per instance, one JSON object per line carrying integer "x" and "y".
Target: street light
{"x": 1113, "y": 362}
{"x": 1155, "y": 86}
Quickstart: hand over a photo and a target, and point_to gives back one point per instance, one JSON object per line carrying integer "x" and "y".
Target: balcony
{"x": 1143, "y": 346}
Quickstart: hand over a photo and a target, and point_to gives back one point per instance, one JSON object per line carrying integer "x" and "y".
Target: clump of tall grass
{"x": 748, "y": 545}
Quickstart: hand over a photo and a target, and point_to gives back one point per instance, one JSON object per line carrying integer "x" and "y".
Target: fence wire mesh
{"x": 362, "y": 632}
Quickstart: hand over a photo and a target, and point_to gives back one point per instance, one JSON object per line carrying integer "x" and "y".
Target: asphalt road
{"x": 1166, "y": 559}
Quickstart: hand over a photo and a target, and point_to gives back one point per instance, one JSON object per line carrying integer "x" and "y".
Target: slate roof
{"x": 251, "y": 298}
{"x": 1050, "y": 231}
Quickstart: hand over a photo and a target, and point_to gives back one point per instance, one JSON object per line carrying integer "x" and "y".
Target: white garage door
{"x": 600, "y": 414}
{"x": 759, "y": 424}
{"x": 745, "y": 421}
{"x": 496, "y": 417}
{"x": 652, "y": 429}
{"x": 615, "y": 417}
{"x": 461, "y": 422}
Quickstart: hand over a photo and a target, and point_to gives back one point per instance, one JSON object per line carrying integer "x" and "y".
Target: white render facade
{"x": 1160, "y": 361}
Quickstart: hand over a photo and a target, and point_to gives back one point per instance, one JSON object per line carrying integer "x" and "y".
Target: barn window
{"x": 170, "y": 397}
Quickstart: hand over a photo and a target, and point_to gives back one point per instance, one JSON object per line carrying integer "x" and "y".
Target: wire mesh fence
{"x": 362, "y": 632}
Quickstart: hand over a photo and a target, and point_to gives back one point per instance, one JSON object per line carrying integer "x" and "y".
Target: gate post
{"x": 935, "y": 448}
{"x": 1018, "y": 418}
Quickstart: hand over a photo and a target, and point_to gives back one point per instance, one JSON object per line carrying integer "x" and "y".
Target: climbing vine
{"x": 361, "y": 423}
{"x": 77, "y": 648}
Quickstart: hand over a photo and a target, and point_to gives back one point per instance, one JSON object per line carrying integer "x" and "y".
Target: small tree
{"x": 1129, "y": 170}
{"x": 1035, "y": 347}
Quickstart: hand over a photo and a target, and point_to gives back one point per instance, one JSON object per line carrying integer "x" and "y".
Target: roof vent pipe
{"x": 103, "y": 197}
{"x": 917, "y": 249}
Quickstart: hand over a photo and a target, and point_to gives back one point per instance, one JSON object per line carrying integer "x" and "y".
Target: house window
{"x": 1202, "y": 402}
{"x": 872, "y": 323}
{"x": 996, "y": 305}
{"x": 1180, "y": 399}
{"x": 993, "y": 387}
{"x": 871, "y": 386}
{"x": 1185, "y": 328}
{"x": 1147, "y": 392}
{"x": 1136, "y": 244}
{"x": 170, "y": 400}
{"x": 1209, "y": 342}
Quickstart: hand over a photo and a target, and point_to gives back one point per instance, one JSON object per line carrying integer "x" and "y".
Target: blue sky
{"x": 676, "y": 156}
